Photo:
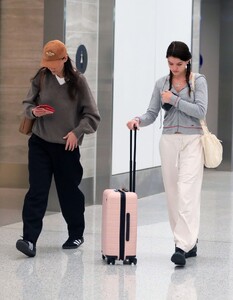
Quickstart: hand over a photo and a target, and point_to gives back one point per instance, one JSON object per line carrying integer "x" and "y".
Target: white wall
{"x": 143, "y": 31}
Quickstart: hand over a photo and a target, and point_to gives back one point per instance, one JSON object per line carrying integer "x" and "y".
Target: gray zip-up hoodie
{"x": 186, "y": 111}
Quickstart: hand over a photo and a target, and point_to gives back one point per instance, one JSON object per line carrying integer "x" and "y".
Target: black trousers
{"x": 44, "y": 161}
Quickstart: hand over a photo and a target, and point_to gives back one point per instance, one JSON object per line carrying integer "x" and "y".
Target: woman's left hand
{"x": 166, "y": 96}
{"x": 71, "y": 141}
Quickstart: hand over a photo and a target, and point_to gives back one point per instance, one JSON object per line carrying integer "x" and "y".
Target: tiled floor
{"x": 83, "y": 275}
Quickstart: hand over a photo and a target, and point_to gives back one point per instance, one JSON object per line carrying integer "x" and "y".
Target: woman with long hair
{"x": 64, "y": 110}
{"x": 181, "y": 150}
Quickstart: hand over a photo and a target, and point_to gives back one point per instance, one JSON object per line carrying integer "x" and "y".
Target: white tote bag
{"x": 212, "y": 147}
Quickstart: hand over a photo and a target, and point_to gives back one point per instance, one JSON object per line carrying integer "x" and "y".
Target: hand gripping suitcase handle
{"x": 132, "y": 163}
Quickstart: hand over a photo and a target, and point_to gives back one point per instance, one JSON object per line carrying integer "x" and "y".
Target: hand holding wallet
{"x": 168, "y": 106}
{"x": 47, "y": 107}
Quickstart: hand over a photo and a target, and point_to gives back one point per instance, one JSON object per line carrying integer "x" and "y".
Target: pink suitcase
{"x": 119, "y": 219}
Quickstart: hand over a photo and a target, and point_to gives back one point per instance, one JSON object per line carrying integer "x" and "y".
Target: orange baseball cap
{"x": 53, "y": 52}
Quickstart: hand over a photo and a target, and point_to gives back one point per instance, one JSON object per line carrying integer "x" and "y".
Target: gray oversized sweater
{"x": 186, "y": 111}
{"x": 79, "y": 115}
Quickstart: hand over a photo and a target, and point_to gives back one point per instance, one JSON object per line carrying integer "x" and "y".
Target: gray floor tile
{"x": 82, "y": 274}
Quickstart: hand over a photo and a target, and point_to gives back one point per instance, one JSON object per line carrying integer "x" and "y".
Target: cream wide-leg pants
{"x": 182, "y": 163}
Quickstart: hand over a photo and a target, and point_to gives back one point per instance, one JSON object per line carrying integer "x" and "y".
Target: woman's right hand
{"x": 39, "y": 112}
{"x": 134, "y": 123}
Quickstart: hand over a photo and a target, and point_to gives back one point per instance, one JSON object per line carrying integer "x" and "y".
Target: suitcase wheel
{"x": 130, "y": 261}
{"x": 110, "y": 260}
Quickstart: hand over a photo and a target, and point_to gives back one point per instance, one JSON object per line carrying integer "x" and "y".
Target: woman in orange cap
{"x": 64, "y": 110}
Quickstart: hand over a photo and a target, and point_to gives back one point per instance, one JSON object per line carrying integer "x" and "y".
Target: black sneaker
{"x": 26, "y": 247}
{"x": 192, "y": 252}
{"x": 178, "y": 257}
{"x": 73, "y": 243}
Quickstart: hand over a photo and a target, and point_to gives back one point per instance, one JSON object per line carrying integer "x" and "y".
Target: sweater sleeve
{"x": 90, "y": 116}
{"x": 30, "y": 101}
{"x": 154, "y": 107}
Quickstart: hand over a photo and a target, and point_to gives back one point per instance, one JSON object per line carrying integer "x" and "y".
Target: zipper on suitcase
{"x": 122, "y": 226}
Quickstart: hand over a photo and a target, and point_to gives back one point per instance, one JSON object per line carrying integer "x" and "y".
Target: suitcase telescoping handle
{"x": 132, "y": 162}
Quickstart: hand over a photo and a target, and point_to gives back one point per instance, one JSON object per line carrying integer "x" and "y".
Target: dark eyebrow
{"x": 179, "y": 62}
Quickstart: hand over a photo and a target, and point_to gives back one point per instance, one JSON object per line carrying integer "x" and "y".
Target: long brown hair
{"x": 71, "y": 77}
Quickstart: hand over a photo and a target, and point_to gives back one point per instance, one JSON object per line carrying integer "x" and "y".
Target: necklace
{"x": 178, "y": 84}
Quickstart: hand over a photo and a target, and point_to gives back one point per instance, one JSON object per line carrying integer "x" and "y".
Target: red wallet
{"x": 47, "y": 107}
